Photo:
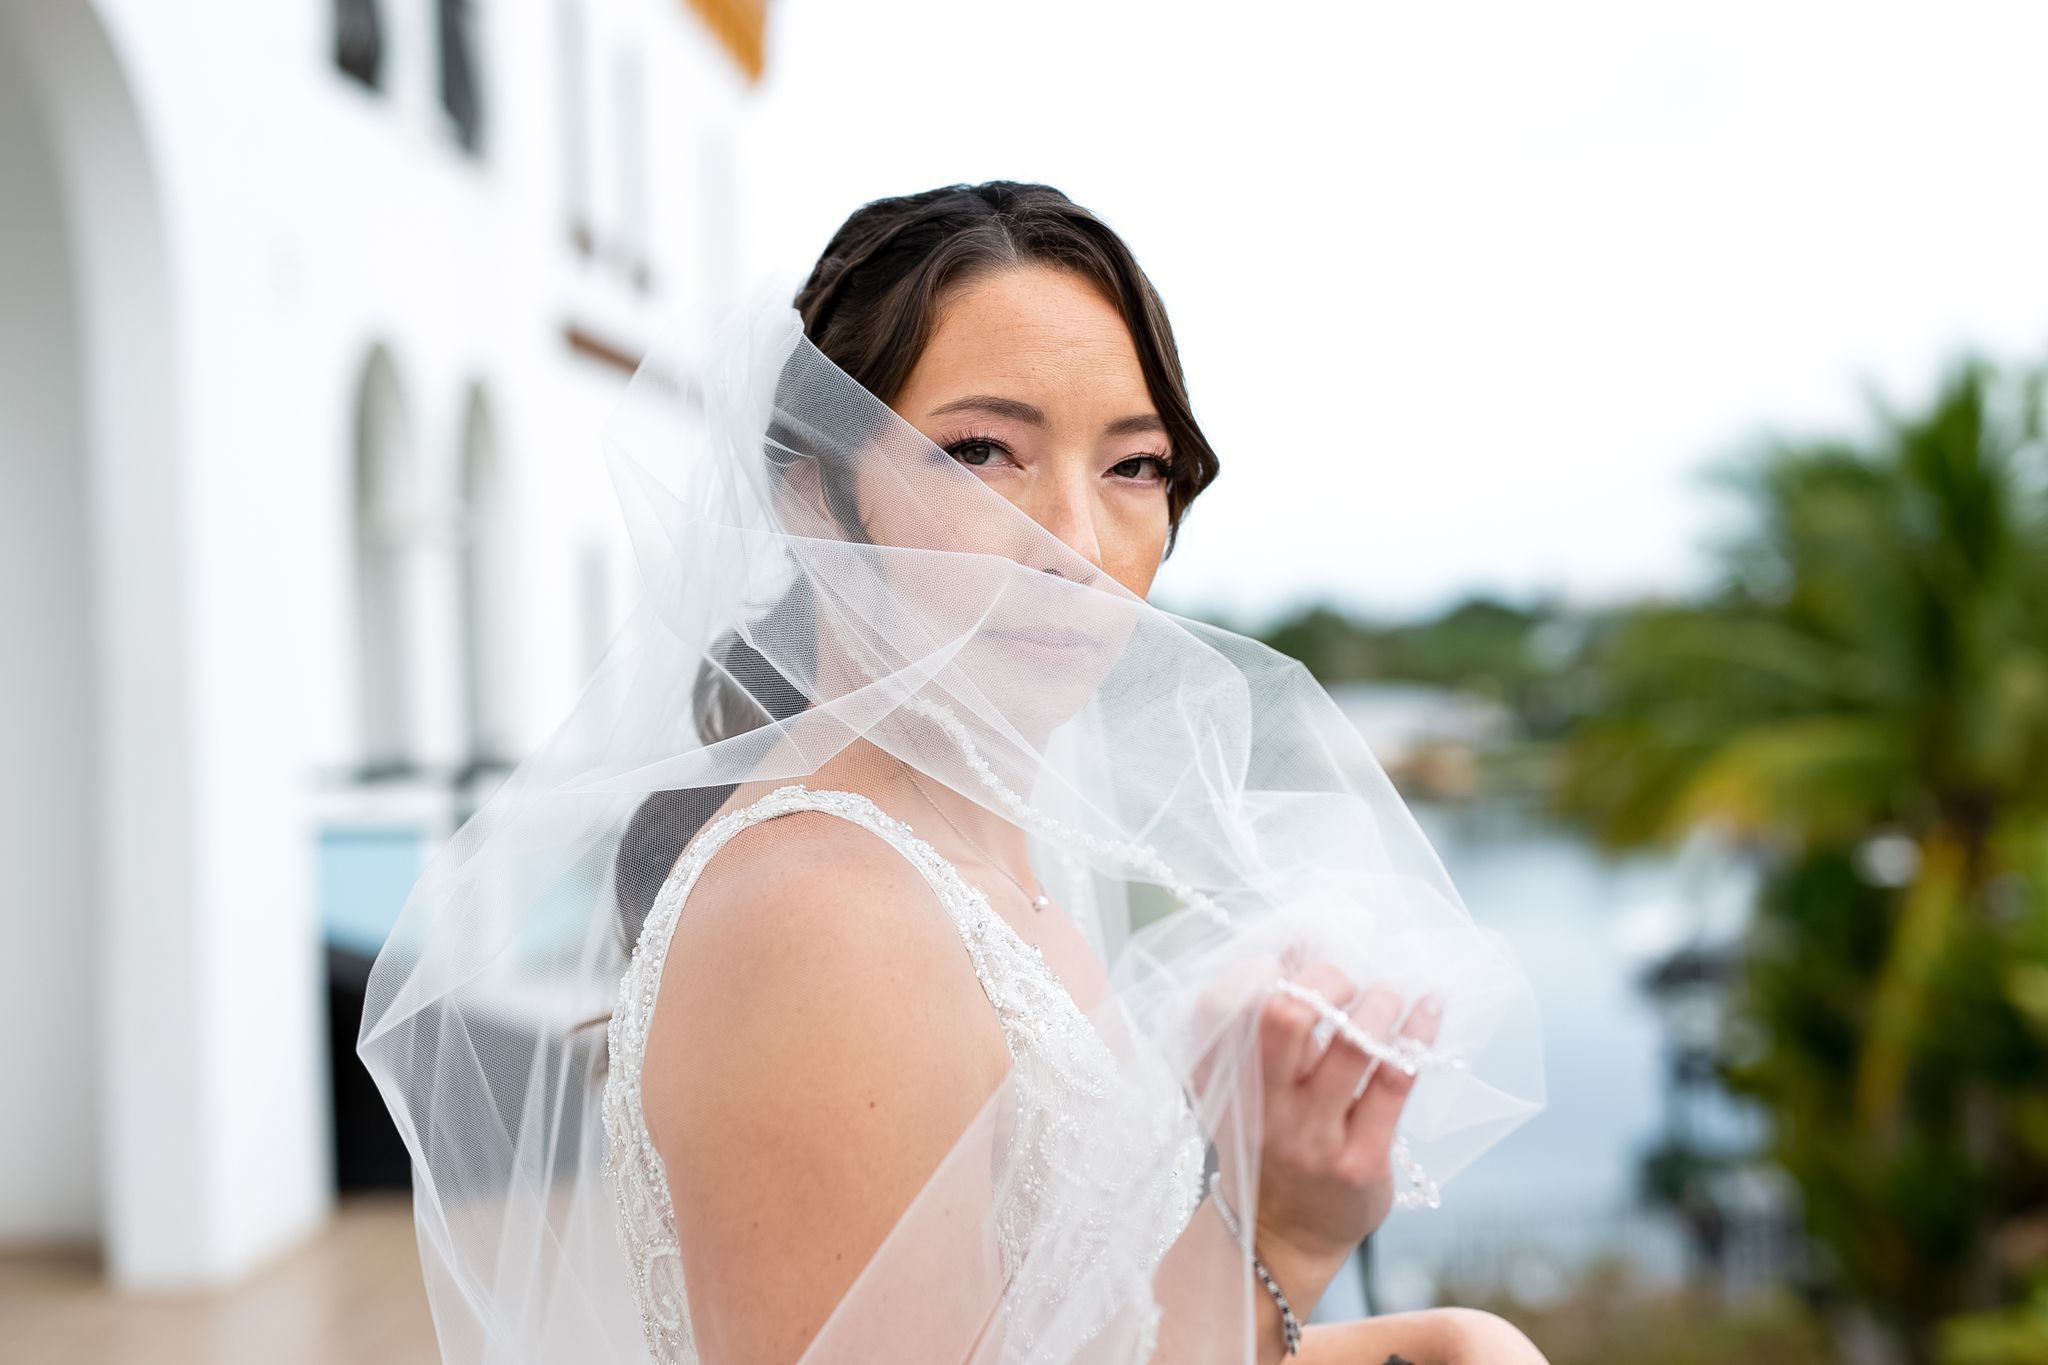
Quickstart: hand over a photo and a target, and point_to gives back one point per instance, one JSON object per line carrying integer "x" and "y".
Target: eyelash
{"x": 1163, "y": 463}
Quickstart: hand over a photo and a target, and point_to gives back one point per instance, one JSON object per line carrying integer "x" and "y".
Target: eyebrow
{"x": 1025, "y": 412}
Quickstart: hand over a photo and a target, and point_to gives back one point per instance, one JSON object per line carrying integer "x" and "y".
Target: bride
{"x": 991, "y": 966}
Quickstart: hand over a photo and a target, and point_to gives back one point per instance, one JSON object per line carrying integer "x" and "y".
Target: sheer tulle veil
{"x": 1194, "y": 801}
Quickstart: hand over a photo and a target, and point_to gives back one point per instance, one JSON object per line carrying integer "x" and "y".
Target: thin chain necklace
{"x": 1038, "y": 901}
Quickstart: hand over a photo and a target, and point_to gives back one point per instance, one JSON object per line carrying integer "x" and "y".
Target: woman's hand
{"x": 1433, "y": 1336}
{"x": 1325, "y": 1172}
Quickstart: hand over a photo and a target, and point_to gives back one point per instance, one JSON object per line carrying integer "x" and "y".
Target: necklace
{"x": 1038, "y": 901}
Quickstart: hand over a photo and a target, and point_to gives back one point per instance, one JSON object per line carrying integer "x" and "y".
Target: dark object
{"x": 460, "y": 94}
{"x": 742, "y": 691}
{"x": 368, "y": 1153}
{"x": 359, "y": 40}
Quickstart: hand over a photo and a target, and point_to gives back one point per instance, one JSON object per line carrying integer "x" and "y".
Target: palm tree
{"x": 1864, "y": 702}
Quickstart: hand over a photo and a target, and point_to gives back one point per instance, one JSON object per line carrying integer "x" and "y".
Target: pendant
{"x": 1039, "y": 902}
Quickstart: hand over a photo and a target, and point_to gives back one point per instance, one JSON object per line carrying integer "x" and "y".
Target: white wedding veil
{"x": 814, "y": 574}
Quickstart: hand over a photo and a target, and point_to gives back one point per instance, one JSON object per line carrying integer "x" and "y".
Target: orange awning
{"x": 740, "y": 26}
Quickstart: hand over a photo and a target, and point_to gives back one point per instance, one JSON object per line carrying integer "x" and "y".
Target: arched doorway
{"x": 103, "y": 1034}
{"x": 50, "y": 1182}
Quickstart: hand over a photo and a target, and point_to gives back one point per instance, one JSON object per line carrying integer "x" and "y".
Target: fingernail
{"x": 1431, "y": 1005}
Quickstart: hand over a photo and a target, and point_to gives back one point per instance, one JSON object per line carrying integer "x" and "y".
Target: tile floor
{"x": 349, "y": 1296}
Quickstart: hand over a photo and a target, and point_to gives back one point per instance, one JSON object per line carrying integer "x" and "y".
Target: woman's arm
{"x": 1202, "y": 1269}
{"x": 1436, "y": 1336}
{"x": 819, "y": 1046}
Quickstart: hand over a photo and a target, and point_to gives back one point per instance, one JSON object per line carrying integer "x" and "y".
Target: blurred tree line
{"x": 1530, "y": 659}
{"x": 1861, "y": 701}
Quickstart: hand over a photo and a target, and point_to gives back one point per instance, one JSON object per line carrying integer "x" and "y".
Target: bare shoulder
{"x": 819, "y": 1043}
{"x": 803, "y": 899}
{"x": 804, "y": 933}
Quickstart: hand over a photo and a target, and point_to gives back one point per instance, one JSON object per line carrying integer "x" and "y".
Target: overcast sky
{"x": 1468, "y": 293}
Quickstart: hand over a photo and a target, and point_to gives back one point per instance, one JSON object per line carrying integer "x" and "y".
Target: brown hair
{"x": 873, "y": 299}
{"x": 870, "y": 306}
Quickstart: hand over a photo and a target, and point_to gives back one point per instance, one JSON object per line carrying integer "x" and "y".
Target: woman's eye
{"x": 973, "y": 452}
{"x": 1137, "y": 467}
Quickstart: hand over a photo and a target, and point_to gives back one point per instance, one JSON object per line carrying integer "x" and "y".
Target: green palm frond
{"x": 1874, "y": 661}
{"x": 1828, "y": 777}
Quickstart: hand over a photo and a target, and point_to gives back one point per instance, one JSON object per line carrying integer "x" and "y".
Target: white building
{"x": 312, "y": 313}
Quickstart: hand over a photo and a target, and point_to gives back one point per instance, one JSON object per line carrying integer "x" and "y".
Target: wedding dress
{"x": 1060, "y": 1059}
{"x": 1193, "y": 801}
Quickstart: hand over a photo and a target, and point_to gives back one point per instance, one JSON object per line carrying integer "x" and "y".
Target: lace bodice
{"x": 1059, "y": 1060}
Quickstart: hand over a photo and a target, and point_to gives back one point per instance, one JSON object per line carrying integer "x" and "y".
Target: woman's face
{"x": 1031, "y": 380}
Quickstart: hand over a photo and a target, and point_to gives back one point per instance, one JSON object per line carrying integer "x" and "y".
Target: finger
{"x": 1287, "y": 1025}
{"x": 1345, "y": 1066}
{"x": 1379, "y": 1108}
{"x": 1328, "y": 1022}
{"x": 1309, "y": 1037}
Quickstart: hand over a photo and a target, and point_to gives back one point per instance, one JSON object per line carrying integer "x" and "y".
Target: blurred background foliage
{"x": 1859, "y": 704}
{"x": 1611, "y": 1319}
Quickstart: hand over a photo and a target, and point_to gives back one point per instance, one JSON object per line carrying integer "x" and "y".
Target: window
{"x": 575, "y": 125}
{"x": 630, "y": 138}
{"x": 460, "y": 95}
{"x": 359, "y": 40}
{"x": 386, "y": 525}
{"x": 488, "y": 569}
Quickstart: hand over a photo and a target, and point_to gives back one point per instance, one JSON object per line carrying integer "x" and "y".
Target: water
{"x": 1561, "y": 1189}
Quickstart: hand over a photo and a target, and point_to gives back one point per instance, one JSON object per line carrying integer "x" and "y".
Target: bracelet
{"x": 1290, "y": 1326}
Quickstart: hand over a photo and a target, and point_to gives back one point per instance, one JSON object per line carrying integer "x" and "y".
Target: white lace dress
{"x": 1060, "y": 1062}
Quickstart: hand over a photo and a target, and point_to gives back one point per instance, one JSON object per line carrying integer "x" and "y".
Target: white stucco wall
{"x": 248, "y": 226}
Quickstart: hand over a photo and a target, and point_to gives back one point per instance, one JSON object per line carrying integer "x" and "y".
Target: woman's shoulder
{"x": 819, "y": 865}
{"x": 809, "y": 943}
{"x": 820, "y": 1044}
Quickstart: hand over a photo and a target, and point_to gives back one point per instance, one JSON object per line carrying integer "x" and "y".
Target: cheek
{"x": 1133, "y": 560}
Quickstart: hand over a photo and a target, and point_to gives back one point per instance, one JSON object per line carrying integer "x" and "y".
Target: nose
{"x": 1067, "y": 509}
